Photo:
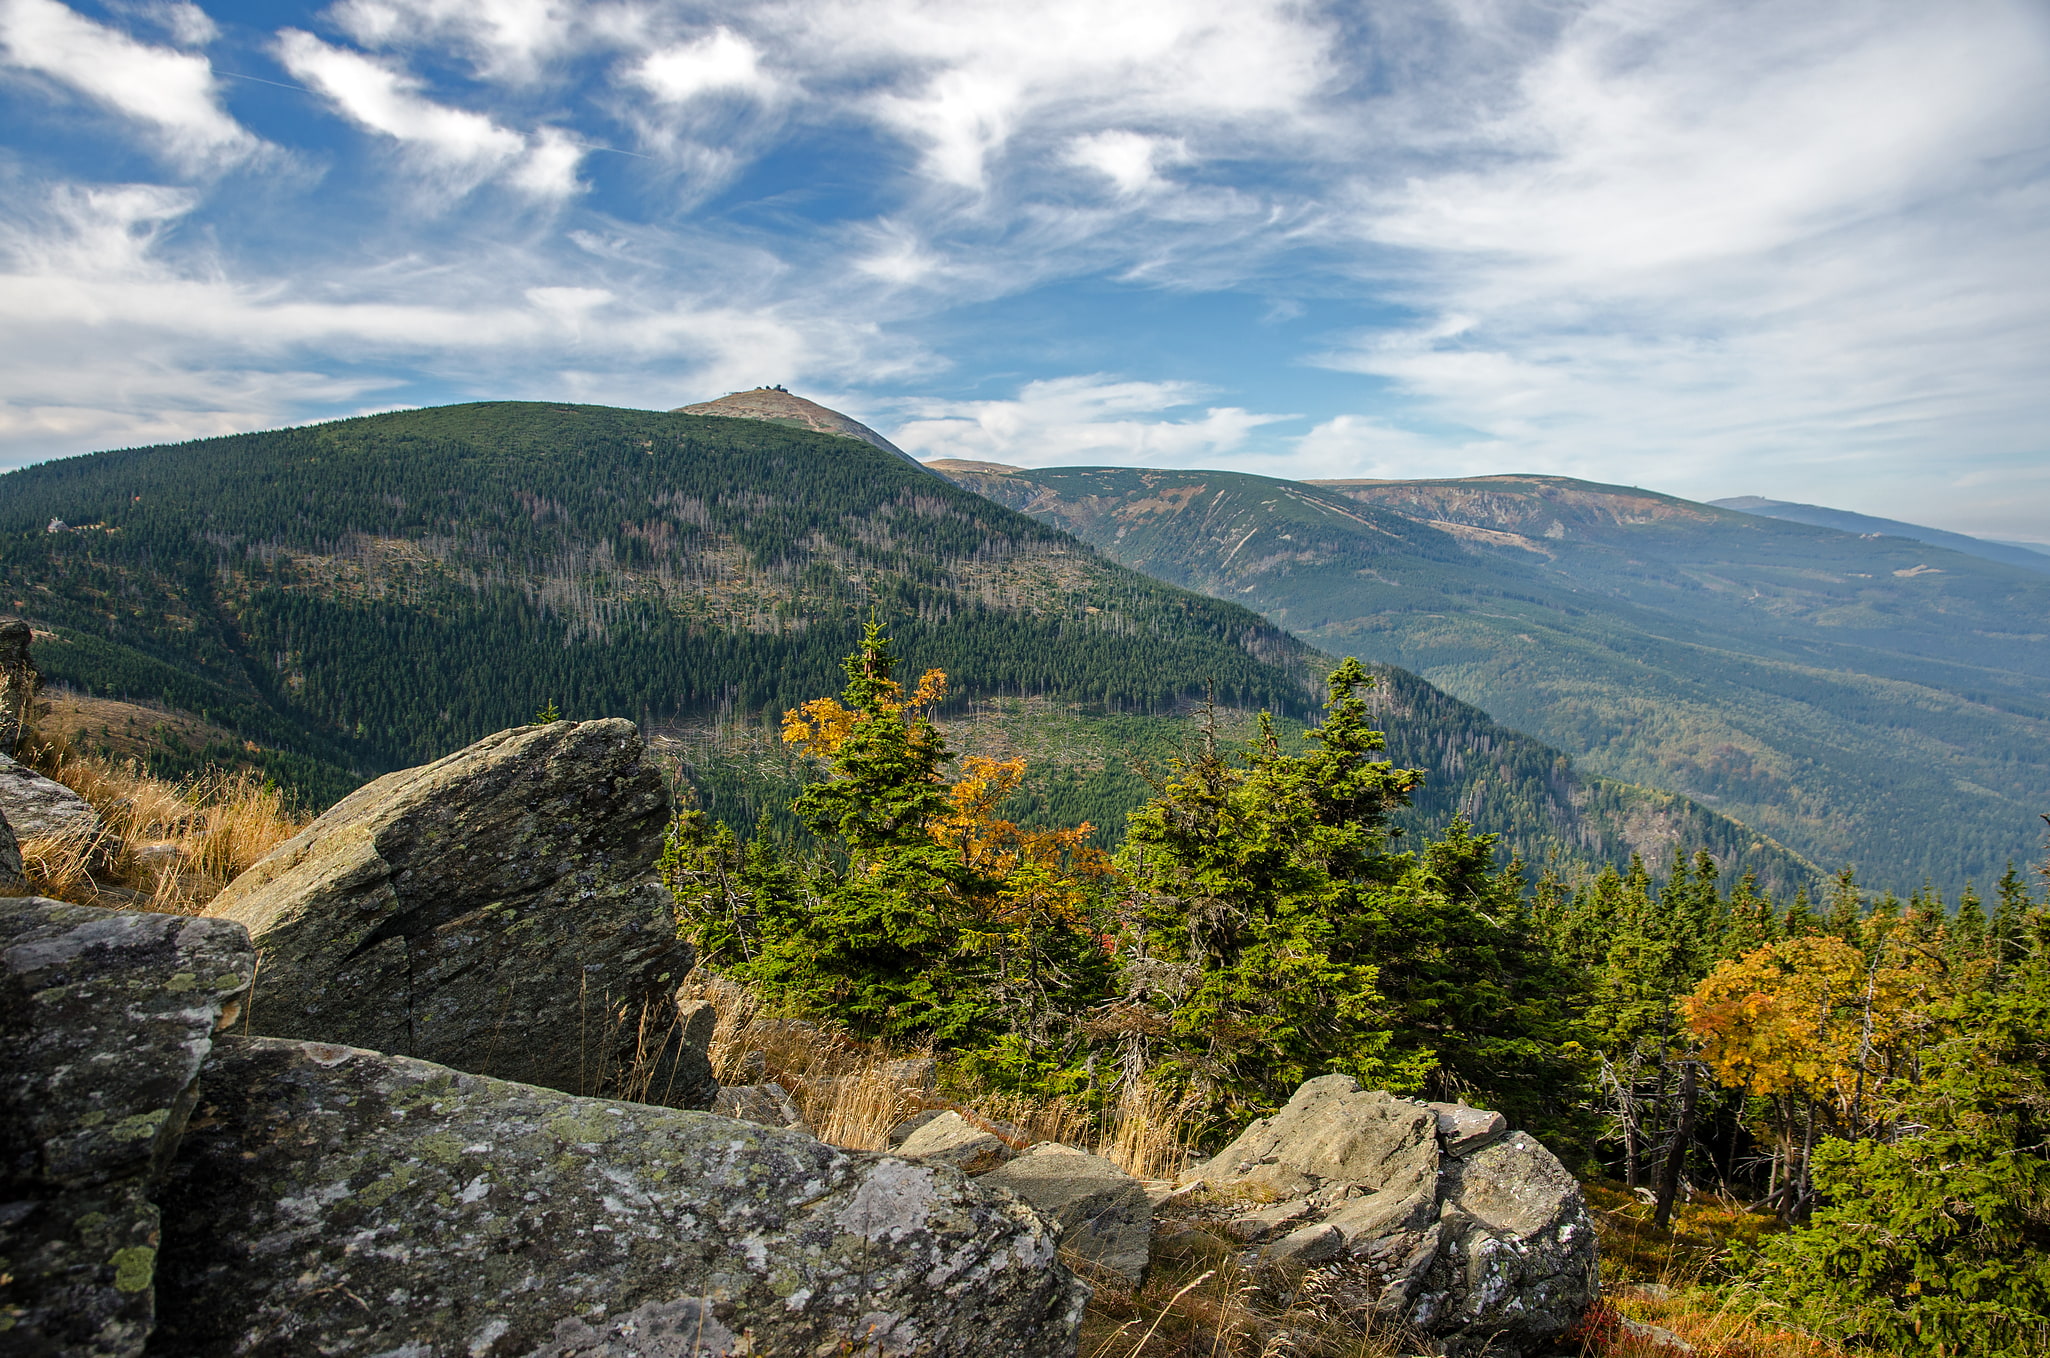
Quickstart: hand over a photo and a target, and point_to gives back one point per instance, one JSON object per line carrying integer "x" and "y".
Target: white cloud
{"x": 1091, "y": 418}
{"x": 1130, "y": 160}
{"x": 115, "y": 334}
{"x": 465, "y": 146}
{"x": 718, "y": 63}
{"x": 172, "y": 91}
{"x": 508, "y": 38}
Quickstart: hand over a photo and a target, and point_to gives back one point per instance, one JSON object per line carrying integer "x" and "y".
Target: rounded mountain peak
{"x": 780, "y": 407}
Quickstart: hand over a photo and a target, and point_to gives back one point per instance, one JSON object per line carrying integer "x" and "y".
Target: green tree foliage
{"x": 932, "y": 920}
{"x": 1936, "y": 1239}
{"x": 1295, "y": 942}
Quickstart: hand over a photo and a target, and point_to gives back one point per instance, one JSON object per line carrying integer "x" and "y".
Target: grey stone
{"x": 497, "y": 911}
{"x": 1517, "y": 1264}
{"x": 898, "y": 1134}
{"x": 108, "y": 1016}
{"x": 19, "y": 682}
{"x": 917, "y": 1073}
{"x": 1484, "y": 1246}
{"x": 951, "y": 1139}
{"x": 1311, "y": 1244}
{"x": 36, "y": 806}
{"x": 1653, "y": 1337}
{"x": 1333, "y": 1132}
{"x": 1099, "y": 1210}
{"x": 336, "y": 1201}
{"x": 1260, "y": 1224}
{"x": 11, "y": 876}
{"x": 1186, "y": 1240}
{"x": 768, "y": 1104}
{"x": 1462, "y": 1130}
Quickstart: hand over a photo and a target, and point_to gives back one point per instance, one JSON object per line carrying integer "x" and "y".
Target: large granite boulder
{"x": 337, "y": 1201}
{"x": 36, "y": 806}
{"x": 108, "y": 1016}
{"x": 497, "y": 911}
{"x": 1100, "y": 1211}
{"x": 1432, "y": 1214}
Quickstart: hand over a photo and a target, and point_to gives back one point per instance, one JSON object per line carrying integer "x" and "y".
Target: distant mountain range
{"x": 333, "y": 601}
{"x": 2010, "y": 553}
{"x": 1873, "y": 700}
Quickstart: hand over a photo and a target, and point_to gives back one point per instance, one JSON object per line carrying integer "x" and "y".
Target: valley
{"x": 1869, "y": 700}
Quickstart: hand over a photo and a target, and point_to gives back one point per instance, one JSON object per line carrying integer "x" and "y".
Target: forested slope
{"x": 375, "y": 592}
{"x": 1879, "y": 701}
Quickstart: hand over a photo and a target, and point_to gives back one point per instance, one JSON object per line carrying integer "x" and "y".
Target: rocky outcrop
{"x": 36, "y": 806}
{"x": 332, "y": 1200}
{"x": 496, "y": 911}
{"x": 1100, "y": 1211}
{"x": 1433, "y": 1214}
{"x": 107, "y": 1017}
{"x": 19, "y": 681}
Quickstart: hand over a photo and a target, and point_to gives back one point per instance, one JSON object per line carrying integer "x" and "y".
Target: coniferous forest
{"x": 1870, "y": 1072}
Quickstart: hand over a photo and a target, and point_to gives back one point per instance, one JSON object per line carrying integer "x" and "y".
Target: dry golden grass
{"x": 1683, "y": 1281}
{"x": 1206, "y": 1304}
{"x": 160, "y": 846}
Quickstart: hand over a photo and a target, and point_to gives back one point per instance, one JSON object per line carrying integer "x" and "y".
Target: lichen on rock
{"x": 334, "y": 1200}
{"x": 108, "y": 1016}
{"x": 497, "y": 911}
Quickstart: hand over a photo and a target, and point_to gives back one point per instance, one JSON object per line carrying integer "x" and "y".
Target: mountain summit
{"x": 777, "y": 405}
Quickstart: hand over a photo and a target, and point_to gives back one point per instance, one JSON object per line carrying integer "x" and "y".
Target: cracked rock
{"x": 332, "y": 1200}
{"x": 497, "y": 911}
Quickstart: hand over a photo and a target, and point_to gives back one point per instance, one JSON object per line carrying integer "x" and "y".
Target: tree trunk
{"x": 1676, "y": 1156}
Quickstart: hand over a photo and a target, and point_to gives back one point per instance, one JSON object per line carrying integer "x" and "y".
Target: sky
{"x": 1717, "y": 248}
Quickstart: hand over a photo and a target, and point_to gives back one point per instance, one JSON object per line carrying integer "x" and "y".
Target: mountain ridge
{"x": 374, "y": 592}
{"x": 1877, "y": 701}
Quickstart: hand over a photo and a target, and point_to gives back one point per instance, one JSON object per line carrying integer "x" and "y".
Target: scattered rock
{"x": 903, "y": 1130}
{"x": 36, "y": 806}
{"x": 1261, "y": 1224}
{"x": 19, "y": 681}
{"x": 919, "y": 1074}
{"x": 1186, "y": 1240}
{"x": 1433, "y": 1214}
{"x": 497, "y": 911}
{"x": 768, "y": 1104}
{"x": 951, "y": 1139}
{"x": 1637, "y": 1332}
{"x": 1099, "y": 1210}
{"x": 1462, "y": 1130}
{"x": 331, "y": 1200}
{"x": 108, "y": 1015}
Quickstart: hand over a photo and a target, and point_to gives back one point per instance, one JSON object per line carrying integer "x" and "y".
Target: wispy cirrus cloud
{"x": 460, "y": 146}
{"x": 1718, "y": 246}
{"x": 1084, "y": 419}
{"x": 172, "y": 92}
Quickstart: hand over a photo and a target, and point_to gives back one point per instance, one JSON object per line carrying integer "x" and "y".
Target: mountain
{"x": 351, "y": 597}
{"x": 1876, "y": 701}
{"x": 778, "y": 406}
{"x": 1844, "y": 521}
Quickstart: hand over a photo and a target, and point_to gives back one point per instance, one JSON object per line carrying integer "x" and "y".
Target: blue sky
{"x": 1712, "y": 248}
